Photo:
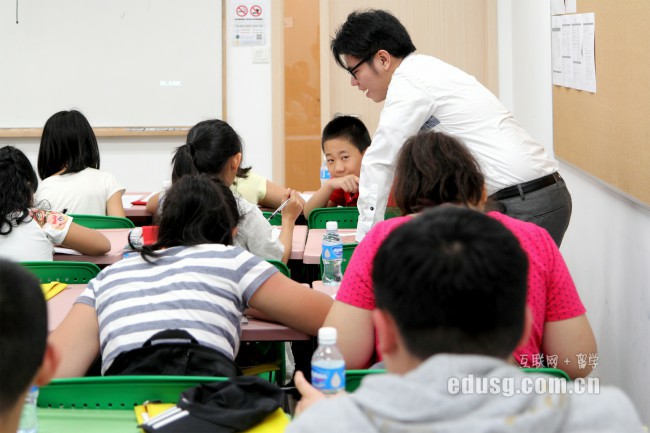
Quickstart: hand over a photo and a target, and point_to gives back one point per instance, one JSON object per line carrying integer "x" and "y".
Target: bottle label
{"x": 333, "y": 252}
{"x": 328, "y": 380}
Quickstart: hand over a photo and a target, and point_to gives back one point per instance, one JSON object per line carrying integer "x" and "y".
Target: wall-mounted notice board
{"x": 607, "y": 134}
{"x": 147, "y": 67}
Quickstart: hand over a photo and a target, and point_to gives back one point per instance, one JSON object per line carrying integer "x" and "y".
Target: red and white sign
{"x": 242, "y": 10}
{"x": 256, "y": 11}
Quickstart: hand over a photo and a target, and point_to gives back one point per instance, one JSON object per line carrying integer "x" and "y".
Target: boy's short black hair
{"x": 349, "y": 128}
{"x": 23, "y": 331}
{"x": 455, "y": 281}
{"x": 366, "y": 32}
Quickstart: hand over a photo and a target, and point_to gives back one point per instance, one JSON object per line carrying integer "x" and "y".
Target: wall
{"x": 142, "y": 164}
{"x": 607, "y": 245}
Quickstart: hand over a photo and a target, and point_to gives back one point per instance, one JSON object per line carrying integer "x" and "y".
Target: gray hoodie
{"x": 466, "y": 393}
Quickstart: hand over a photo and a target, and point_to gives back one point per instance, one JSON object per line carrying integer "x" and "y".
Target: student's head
{"x": 369, "y": 45}
{"x": 434, "y": 168}
{"x": 213, "y": 148}
{"x": 345, "y": 140}
{"x": 68, "y": 142}
{"x": 199, "y": 209}
{"x": 18, "y": 182}
{"x": 453, "y": 280}
{"x": 26, "y": 359}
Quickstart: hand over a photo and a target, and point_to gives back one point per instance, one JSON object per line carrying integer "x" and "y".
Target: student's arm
{"x": 77, "y": 341}
{"x": 349, "y": 183}
{"x": 289, "y": 215}
{"x": 86, "y": 241}
{"x": 567, "y": 339}
{"x": 275, "y": 195}
{"x": 355, "y": 334}
{"x": 283, "y": 300}
{"x": 152, "y": 203}
{"x": 114, "y": 205}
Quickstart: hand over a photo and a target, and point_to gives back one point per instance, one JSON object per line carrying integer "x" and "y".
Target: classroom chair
{"x": 549, "y": 370}
{"x": 347, "y": 217}
{"x": 348, "y": 249}
{"x": 353, "y": 377}
{"x": 102, "y": 221}
{"x": 65, "y": 272}
{"x": 281, "y": 267}
{"x": 276, "y": 220}
{"x": 116, "y": 392}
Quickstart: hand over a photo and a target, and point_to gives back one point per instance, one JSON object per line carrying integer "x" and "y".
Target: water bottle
{"x": 28, "y": 417}
{"x": 327, "y": 364}
{"x": 324, "y": 173}
{"x": 332, "y": 255}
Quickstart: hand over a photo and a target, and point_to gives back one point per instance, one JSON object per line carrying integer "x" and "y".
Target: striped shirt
{"x": 202, "y": 289}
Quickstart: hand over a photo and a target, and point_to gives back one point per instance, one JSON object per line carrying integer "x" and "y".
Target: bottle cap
{"x": 327, "y": 335}
{"x": 331, "y": 225}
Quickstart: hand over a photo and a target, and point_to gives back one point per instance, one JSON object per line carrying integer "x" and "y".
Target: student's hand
{"x": 349, "y": 183}
{"x": 309, "y": 394}
{"x": 294, "y": 207}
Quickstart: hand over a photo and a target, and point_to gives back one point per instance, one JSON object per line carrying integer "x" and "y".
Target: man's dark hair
{"x": 23, "y": 331}
{"x": 366, "y": 32}
{"x": 347, "y": 128}
{"x": 454, "y": 280}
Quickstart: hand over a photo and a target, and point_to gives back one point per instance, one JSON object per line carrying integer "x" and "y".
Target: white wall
{"x": 607, "y": 245}
{"x": 142, "y": 164}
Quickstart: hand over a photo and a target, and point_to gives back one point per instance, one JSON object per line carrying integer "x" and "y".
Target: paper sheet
{"x": 61, "y": 250}
{"x": 557, "y": 7}
{"x": 573, "y": 51}
{"x": 128, "y": 198}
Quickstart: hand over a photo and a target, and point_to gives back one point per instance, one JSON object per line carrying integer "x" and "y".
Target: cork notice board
{"x": 607, "y": 134}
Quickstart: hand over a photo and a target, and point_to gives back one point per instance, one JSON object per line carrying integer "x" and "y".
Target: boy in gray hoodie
{"x": 450, "y": 290}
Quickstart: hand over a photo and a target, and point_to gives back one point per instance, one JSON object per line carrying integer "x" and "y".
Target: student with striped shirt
{"x": 192, "y": 279}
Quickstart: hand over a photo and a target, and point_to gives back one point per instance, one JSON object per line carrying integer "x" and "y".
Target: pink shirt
{"x": 552, "y": 295}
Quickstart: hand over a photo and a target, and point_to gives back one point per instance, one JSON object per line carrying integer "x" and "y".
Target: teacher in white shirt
{"x": 422, "y": 92}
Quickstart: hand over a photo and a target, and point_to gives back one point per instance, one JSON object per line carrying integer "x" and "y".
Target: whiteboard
{"x": 120, "y": 62}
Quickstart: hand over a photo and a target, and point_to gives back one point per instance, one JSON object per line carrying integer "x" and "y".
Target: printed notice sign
{"x": 249, "y": 22}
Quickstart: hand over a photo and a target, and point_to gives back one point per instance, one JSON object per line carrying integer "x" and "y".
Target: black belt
{"x": 526, "y": 187}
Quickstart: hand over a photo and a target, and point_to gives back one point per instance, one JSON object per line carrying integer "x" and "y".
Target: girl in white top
{"x": 68, "y": 163}
{"x": 214, "y": 148}
{"x": 27, "y": 233}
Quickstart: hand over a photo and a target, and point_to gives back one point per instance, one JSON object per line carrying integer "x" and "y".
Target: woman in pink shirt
{"x": 435, "y": 169}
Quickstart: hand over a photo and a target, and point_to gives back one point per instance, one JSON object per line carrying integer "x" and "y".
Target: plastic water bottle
{"x": 327, "y": 364}
{"x": 28, "y": 417}
{"x": 324, "y": 173}
{"x": 332, "y": 255}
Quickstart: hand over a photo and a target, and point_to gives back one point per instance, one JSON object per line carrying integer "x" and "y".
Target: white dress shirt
{"x": 426, "y": 93}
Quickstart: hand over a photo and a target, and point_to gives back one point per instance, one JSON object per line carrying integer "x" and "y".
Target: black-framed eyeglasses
{"x": 352, "y": 70}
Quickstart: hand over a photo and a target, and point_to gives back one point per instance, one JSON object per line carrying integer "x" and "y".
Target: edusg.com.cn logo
{"x": 509, "y": 386}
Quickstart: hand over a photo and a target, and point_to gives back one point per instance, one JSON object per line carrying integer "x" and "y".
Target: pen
{"x": 279, "y": 209}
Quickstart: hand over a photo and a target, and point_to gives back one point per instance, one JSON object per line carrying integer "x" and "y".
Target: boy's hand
{"x": 349, "y": 183}
{"x": 309, "y": 394}
{"x": 294, "y": 207}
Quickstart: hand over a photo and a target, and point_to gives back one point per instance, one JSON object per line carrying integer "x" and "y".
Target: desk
{"x": 254, "y": 330}
{"x": 315, "y": 241}
{"x": 328, "y": 290}
{"x": 118, "y": 239}
{"x": 298, "y": 242}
